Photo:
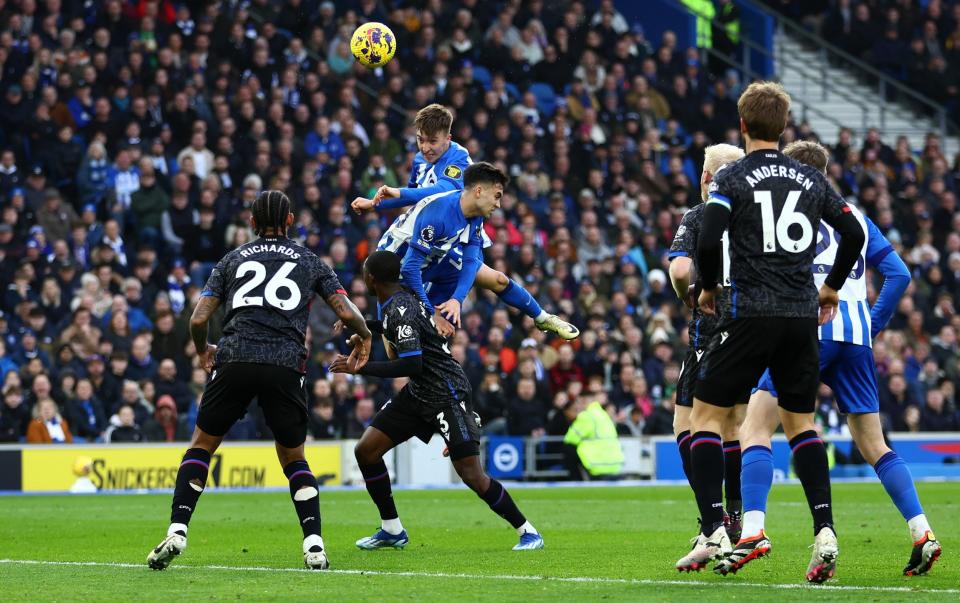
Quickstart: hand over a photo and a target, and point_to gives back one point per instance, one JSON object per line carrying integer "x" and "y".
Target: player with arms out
{"x": 442, "y": 260}
{"x": 437, "y": 399}
{"x": 772, "y": 205}
{"x": 267, "y": 286}
{"x": 439, "y": 168}
{"x": 847, "y": 366}
{"x": 682, "y": 254}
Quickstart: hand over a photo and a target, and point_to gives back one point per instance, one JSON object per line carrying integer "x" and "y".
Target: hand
{"x": 342, "y": 365}
{"x": 829, "y": 300}
{"x": 690, "y": 300}
{"x": 207, "y": 357}
{"x": 386, "y": 192}
{"x": 443, "y": 326}
{"x": 361, "y": 352}
{"x": 450, "y": 310}
{"x": 360, "y": 205}
{"x": 337, "y": 328}
{"x": 708, "y": 301}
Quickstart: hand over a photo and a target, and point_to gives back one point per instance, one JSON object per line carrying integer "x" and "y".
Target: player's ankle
{"x": 391, "y": 526}
{"x": 177, "y": 528}
{"x": 527, "y": 528}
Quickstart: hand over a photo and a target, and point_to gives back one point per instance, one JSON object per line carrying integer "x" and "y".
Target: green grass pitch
{"x": 604, "y": 543}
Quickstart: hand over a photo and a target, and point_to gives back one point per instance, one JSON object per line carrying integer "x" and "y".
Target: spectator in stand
{"x": 935, "y": 416}
{"x": 526, "y": 415}
{"x": 360, "y": 418}
{"x": 14, "y": 415}
{"x": 125, "y": 429}
{"x": 48, "y": 426}
{"x": 166, "y": 424}
{"x": 85, "y": 412}
{"x": 168, "y": 384}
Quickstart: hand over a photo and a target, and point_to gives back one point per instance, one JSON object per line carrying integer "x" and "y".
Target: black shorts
{"x": 279, "y": 392}
{"x": 688, "y": 377}
{"x": 743, "y": 348}
{"x": 687, "y": 382}
{"x": 404, "y": 417}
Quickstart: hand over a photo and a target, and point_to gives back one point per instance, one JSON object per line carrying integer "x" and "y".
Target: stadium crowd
{"x": 135, "y": 135}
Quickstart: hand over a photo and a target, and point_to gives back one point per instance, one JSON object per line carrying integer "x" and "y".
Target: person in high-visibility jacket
{"x": 594, "y": 435}
{"x": 705, "y": 12}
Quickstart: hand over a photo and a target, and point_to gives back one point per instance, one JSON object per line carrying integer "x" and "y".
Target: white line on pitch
{"x": 575, "y": 579}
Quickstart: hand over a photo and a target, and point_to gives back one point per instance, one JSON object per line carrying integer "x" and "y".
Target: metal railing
{"x": 817, "y": 74}
{"x": 886, "y": 86}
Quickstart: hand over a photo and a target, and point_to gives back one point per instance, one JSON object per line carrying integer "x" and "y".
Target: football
{"x": 373, "y": 45}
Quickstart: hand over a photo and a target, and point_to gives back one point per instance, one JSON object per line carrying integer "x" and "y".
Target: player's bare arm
{"x": 199, "y": 322}
{"x": 350, "y": 316}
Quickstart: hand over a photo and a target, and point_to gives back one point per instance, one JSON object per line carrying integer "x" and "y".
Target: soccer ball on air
{"x": 373, "y": 45}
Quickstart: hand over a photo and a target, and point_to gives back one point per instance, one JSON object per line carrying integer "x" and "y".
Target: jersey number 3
{"x": 778, "y": 231}
{"x": 277, "y": 282}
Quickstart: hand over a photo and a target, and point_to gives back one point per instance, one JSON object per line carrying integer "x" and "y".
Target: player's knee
{"x": 365, "y": 453}
{"x": 502, "y": 280}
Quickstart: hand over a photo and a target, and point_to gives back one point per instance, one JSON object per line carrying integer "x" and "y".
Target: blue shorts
{"x": 850, "y": 372}
{"x": 440, "y": 291}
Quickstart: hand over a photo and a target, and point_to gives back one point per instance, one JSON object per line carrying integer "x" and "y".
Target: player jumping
{"x": 701, "y": 329}
{"x": 847, "y": 366}
{"x": 437, "y": 399}
{"x": 772, "y": 205}
{"x": 439, "y": 168}
{"x": 267, "y": 286}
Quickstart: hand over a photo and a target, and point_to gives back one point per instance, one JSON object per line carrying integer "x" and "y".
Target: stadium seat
{"x": 546, "y": 98}
{"x": 482, "y": 75}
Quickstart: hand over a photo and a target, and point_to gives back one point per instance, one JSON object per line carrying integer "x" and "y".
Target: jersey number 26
{"x": 277, "y": 282}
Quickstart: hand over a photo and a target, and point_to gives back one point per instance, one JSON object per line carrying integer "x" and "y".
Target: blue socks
{"x": 518, "y": 297}
{"x": 895, "y": 476}
{"x": 756, "y": 478}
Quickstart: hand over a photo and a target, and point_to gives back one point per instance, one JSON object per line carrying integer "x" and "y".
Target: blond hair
{"x": 764, "y": 108}
{"x": 718, "y": 155}
{"x": 809, "y": 153}
{"x": 715, "y": 157}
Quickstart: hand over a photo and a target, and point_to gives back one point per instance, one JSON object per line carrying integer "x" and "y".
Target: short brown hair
{"x": 809, "y": 153}
{"x": 433, "y": 119}
{"x": 764, "y": 108}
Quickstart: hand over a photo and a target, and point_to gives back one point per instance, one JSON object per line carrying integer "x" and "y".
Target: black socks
{"x": 306, "y": 497}
{"x": 377, "y": 479}
{"x": 191, "y": 480}
{"x": 813, "y": 470}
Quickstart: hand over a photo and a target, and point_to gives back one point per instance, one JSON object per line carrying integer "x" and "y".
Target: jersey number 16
{"x": 778, "y": 231}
